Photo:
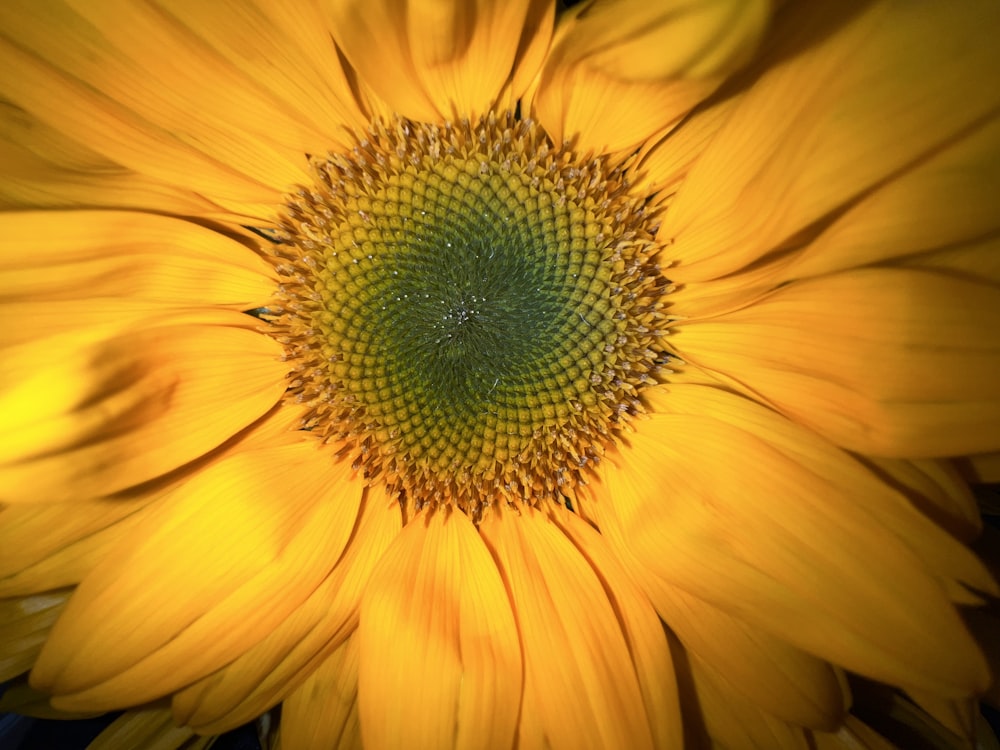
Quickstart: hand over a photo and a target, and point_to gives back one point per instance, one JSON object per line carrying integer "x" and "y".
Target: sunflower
{"x": 492, "y": 374}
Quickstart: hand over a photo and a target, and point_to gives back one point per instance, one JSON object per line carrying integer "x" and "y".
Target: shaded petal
{"x": 85, "y": 547}
{"x": 264, "y": 525}
{"x": 854, "y": 735}
{"x": 665, "y": 163}
{"x": 44, "y": 168}
{"x": 850, "y": 95}
{"x": 86, "y": 417}
{"x": 622, "y": 70}
{"x": 580, "y": 685}
{"x": 640, "y": 41}
{"x": 791, "y": 545}
{"x": 74, "y": 269}
{"x": 736, "y": 723}
{"x": 139, "y": 86}
{"x": 945, "y": 202}
{"x": 323, "y": 711}
{"x": 643, "y": 630}
{"x": 440, "y": 658}
{"x": 887, "y": 362}
{"x": 269, "y": 670}
{"x": 20, "y": 698}
{"x": 780, "y": 679}
{"x": 983, "y": 468}
{"x": 937, "y": 489}
{"x": 51, "y": 545}
{"x": 24, "y": 625}
{"x": 439, "y": 60}
{"x": 150, "y": 729}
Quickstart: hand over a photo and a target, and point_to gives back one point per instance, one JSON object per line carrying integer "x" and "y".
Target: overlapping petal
{"x": 621, "y": 71}
{"x": 580, "y": 684}
{"x": 884, "y": 361}
{"x": 438, "y": 60}
{"x": 850, "y": 95}
{"x": 269, "y": 670}
{"x": 789, "y": 545}
{"x": 441, "y": 662}
{"x": 262, "y": 525}
{"x": 85, "y": 416}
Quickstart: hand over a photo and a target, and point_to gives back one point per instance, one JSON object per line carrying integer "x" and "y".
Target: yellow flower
{"x": 485, "y": 375}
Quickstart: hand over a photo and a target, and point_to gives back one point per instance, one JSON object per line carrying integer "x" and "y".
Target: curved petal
{"x": 580, "y": 684}
{"x": 323, "y": 711}
{"x": 264, "y": 525}
{"x": 25, "y": 623}
{"x": 937, "y": 489}
{"x": 643, "y": 631}
{"x": 790, "y": 545}
{"x": 778, "y": 678}
{"x": 163, "y": 91}
{"x": 945, "y": 201}
{"x": 883, "y": 361}
{"x": 150, "y": 729}
{"x": 45, "y": 546}
{"x": 622, "y": 70}
{"x": 851, "y": 94}
{"x": 439, "y": 60}
{"x": 272, "y": 668}
{"x": 85, "y": 416}
{"x": 440, "y": 658}
{"x": 45, "y": 168}
{"x": 61, "y": 270}
{"x": 854, "y": 735}
{"x": 736, "y": 723}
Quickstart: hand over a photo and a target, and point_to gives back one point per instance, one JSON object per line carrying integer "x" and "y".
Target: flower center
{"x": 470, "y": 310}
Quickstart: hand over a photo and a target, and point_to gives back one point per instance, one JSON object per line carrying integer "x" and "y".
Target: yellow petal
{"x": 263, "y": 525}
{"x": 84, "y": 418}
{"x": 854, "y": 735}
{"x": 937, "y": 489}
{"x": 849, "y": 95}
{"x": 642, "y": 628}
{"x": 887, "y": 362}
{"x": 945, "y": 201}
{"x": 735, "y": 722}
{"x": 777, "y": 678}
{"x": 150, "y": 729}
{"x": 635, "y": 41}
{"x": 440, "y": 658}
{"x": 787, "y": 544}
{"x": 85, "y": 546}
{"x": 984, "y": 467}
{"x": 621, "y": 70}
{"x": 20, "y": 698}
{"x": 323, "y": 710}
{"x": 44, "y": 168}
{"x": 74, "y": 269}
{"x": 580, "y": 684}
{"x": 271, "y": 669}
{"x": 24, "y": 625}
{"x": 439, "y": 60}
{"x": 666, "y": 162}
{"x": 95, "y": 80}
{"x": 957, "y": 716}
{"x": 29, "y": 533}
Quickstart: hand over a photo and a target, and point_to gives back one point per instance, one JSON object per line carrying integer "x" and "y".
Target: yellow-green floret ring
{"x": 472, "y": 310}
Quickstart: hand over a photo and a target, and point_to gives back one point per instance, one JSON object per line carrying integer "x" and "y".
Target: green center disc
{"x": 472, "y": 324}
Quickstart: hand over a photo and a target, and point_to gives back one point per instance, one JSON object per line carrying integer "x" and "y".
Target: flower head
{"x": 490, "y": 375}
